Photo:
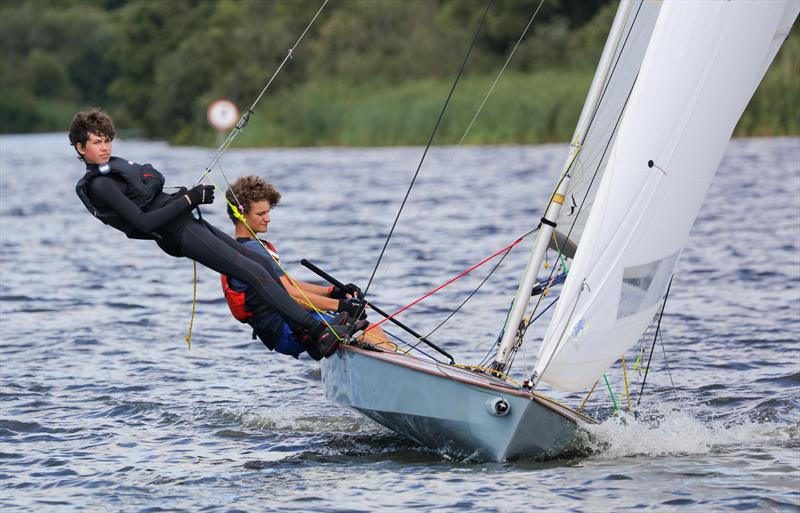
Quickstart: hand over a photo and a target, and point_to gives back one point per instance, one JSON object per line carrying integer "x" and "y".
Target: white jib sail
{"x": 702, "y": 66}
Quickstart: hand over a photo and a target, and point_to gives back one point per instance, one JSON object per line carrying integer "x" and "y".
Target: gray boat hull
{"x": 447, "y": 408}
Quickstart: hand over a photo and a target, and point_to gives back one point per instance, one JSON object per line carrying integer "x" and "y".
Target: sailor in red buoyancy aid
{"x": 257, "y": 198}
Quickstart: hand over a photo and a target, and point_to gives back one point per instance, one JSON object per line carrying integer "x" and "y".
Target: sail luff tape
{"x": 558, "y": 198}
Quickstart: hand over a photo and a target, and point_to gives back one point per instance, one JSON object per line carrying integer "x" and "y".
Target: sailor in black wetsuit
{"x": 130, "y": 198}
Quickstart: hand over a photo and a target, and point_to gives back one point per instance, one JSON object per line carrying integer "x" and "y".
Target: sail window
{"x": 644, "y": 285}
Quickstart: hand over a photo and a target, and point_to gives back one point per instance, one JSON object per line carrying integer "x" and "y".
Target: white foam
{"x": 669, "y": 432}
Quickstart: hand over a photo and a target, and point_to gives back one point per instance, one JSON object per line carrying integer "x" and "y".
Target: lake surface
{"x": 103, "y": 408}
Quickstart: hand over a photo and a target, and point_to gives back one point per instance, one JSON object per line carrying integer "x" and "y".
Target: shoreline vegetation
{"x": 523, "y": 109}
{"x": 370, "y": 73}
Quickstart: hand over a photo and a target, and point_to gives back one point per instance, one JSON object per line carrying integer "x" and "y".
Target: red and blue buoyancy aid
{"x": 143, "y": 183}
{"x": 246, "y": 303}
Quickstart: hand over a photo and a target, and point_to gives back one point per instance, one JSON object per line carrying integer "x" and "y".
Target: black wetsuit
{"x": 167, "y": 219}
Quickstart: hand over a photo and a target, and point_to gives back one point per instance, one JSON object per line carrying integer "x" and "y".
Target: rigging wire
{"x": 550, "y": 282}
{"x": 449, "y": 163}
{"x": 427, "y": 147}
{"x": 238, "y": 209}
{"x": 245, "y": 119}
{"x": 459, "y": 307}
{"x": 655, "y": 337}
{"x": 506, "y": 251}
{"x": 411, "y": 348}
{"x": 490, "y": 90}
{"x": 471, "y": 294}
{"x": 445, "y": 284}
{"x": 525, "y": 329}
{"x": 485, "y": 360}
{"x": 500, "y": 74}
{"x": 461, "y": 141}
{"x": 666, "y": 361}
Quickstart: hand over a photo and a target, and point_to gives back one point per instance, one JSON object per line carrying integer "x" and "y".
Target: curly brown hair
{"x": 249, "y": 190}
{"x": 92, "y": 121}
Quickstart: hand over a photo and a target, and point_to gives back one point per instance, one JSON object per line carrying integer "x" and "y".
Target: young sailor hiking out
{"x": 256, "y": 198}
{"x": 130, "y": 198}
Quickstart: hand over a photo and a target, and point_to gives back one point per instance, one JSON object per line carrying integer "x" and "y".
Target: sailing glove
{"x": 353, "y": 306}
{"x": 351, "y": 289}
{"x": 201, "y": 195}
{"x": 322, "y": 340}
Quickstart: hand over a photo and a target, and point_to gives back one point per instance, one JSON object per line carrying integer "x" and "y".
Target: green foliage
{"x": 19, "y": 112}
{"x": 48, "y": 75}
{"x": 775, "y": 108}
{"x": 524, "y": 108}
{"x": 393, "y": 41}
{"x": 151, "y": 44}
{"x": 53, "y": 62}
{"x": 368, "y": 72}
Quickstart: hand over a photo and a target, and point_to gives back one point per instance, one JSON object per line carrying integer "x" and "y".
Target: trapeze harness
{"x": 142, "y": 184}
{"x": 248, "y": 307}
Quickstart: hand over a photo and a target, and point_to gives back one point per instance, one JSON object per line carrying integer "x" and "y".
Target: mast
{"x": 514, "y": 327}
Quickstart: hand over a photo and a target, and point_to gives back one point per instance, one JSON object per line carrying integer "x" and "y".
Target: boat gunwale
{"x": 469, "y": 378}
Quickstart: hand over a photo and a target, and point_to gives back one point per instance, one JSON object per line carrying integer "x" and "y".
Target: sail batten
{"x": 694, "y": 80}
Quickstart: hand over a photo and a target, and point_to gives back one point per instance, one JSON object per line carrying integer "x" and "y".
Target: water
{"x": 104, "y": 408}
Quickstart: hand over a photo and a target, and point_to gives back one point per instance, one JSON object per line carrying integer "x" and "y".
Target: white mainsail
{"x": 702, "y": 65}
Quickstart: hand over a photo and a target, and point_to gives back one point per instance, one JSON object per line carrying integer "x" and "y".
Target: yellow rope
{"x": 580, "y": 408}
{"x": 637, "y": 362}
{"x": 240, "y": 216}
{"x": 194, "y": 308}
{"x": 625, "y": 377}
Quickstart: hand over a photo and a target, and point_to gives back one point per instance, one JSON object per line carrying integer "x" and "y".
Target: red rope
{"x": 448, "y": 282}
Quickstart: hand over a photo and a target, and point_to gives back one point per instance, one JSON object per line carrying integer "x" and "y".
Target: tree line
{"x": 156, "y": 65}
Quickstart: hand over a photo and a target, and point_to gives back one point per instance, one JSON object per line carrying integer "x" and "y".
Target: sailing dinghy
{"x": 673, "y": 79}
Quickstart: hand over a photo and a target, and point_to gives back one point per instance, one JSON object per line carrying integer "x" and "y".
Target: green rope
{"x": 563, "y": 263}
{"x": 612, "y": 394}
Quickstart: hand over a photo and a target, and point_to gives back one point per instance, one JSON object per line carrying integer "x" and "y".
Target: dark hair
{"x": 92, "y": 121}
{"x": 249, "y": 190}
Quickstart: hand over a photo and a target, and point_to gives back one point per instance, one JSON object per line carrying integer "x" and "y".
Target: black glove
{"x": 201, "y": 195}
{"x": 353, "y": 306}
{"x": 349, "y": 289}
{"x": 321, "y": 341}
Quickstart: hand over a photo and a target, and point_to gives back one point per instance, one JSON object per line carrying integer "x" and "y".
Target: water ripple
{"x": 105, "y": 409}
